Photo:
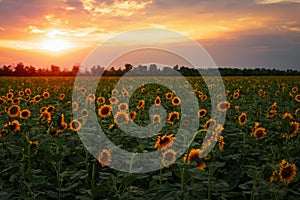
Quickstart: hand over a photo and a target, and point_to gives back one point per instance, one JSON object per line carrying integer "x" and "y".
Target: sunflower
{"x": 50, "y": 109}
{"x": 113, "y": 100}
{"x": 105, "y": 111}
{"x": 43, "y": 109}
{"x": 176, "y": 101}
{"x": 287, "y": 115}
{"x": 45, "y": 116}
{"x": 46, "y": 95}
{"x": 259, "y": 133}
{"x": 123, "y": 107}
{"x": 16, "y": 101}
{"x": 9, "y": 95}
{"x": 209, "y": 123}
{"x": 21, "y": 93}
{"x": 75, "y": 125}
{"x": 75, "y": 106}
{"x": 294, "y": 129}
{"x": 295, "y": 89}
{"x": 173, "y": 116}
{"x": 223, "y": 106}
{"x": 271, "y": 113}
{"x": 194, "y": 155}
{"x": 168, "y": 157}
{"x": 157, "y": 101}
{"x": 165, "y": 141}
{"x": 156, "y": 119}
{"x": 141, "y": 105}
{"x": 274, "y": 106}
{"x": 84, "y": 113}
{"x": 3, "y": 132}
{"x": 132, "y": 115}
{"x": 104, "y": 158}
{"x": 34, "y": 144}
{"x": 2, "y": 101}
{"x": 202, "y": 113}
{"x": 13, "y": 111}
{"x": 297, "y": 111}
{"x": 236, "y": 108}
{"x": 62, "y": 96}
{"x": 14, "y": 126}
{"x": 91, "y": 97}
{"x": 236, "y": 95}
{"x": 115, "y": 92}
{"x": 100, "y": 100}
{"x": 24, "y": 114}
{"x": 28, "y": 91}
{"x": 274, "y": 176}
{"x": 297, "y": 98}
{"x": 121, "y": 118}
{"x": 143, "y": 90}
{"x": 169, "y": 95}
{"x": 37, "y": 98}
{"x": 287, "y": 172}
{"x": 201, "y": 165}
{"x": 221, "y": 143}
{"x": 242, "y": 118}
{"x": 204, "y": 98}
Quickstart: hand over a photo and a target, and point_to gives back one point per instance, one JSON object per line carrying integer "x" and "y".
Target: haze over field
{"x": 248, "y": 33}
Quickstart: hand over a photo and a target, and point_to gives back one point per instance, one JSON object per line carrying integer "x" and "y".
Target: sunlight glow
{"x": 55, "y": 44}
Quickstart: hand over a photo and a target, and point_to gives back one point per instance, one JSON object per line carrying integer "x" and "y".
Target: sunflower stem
{"x": 209, "y": 184}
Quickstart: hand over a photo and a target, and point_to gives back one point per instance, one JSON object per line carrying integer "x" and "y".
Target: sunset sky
{"x": 237, "y": 33}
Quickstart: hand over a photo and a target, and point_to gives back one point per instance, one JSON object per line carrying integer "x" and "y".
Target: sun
{"x": 55, "y": 44}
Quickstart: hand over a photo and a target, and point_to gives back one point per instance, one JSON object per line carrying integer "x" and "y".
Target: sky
{"x": 235, "y": 33}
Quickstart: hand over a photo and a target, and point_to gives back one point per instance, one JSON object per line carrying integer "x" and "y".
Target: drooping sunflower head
{"x": 13, "y": 111}
{"x": 24, "y": 114}
{"x": 105, "y": 111}
{"x": 287, "y": 116}
{"x": 223, "y": 106}
{"x": 165, "y": 141}
{"x": 168, "y": 157}
{"x": 242, "y": 118}
{"x": 201, "y": 165}
{"x": 104, "y": 158}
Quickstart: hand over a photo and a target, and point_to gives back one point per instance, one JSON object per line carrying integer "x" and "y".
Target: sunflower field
{"x": 256, "y": 155}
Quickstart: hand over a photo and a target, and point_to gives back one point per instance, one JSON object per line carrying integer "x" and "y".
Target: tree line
{"x": 141, "y": 70}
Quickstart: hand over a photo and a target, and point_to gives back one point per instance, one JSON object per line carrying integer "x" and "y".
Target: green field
{"x": 42, "y": 156}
